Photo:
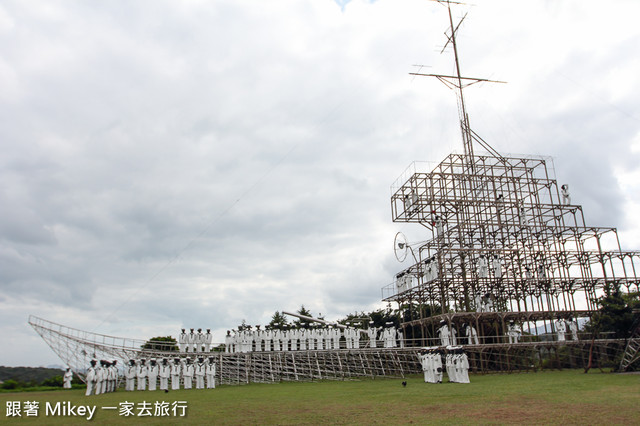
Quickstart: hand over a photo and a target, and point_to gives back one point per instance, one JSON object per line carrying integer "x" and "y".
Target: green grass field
{"x": 550, "y": 397}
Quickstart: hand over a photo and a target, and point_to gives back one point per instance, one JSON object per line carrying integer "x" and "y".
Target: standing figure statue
{"x": 152, "y": 373}
{"x": 444, "y": 334}
{"x": 211, "y": 373}
{"x": 165, "y": 373}
{"x": 561, "y": 329}
{"x": 176, "y": 370}
{"x": 566, "y": 197}
{"x": 182, "y": 341}
{"x": 68, "y": 376}
{"x": 513, "y": 332}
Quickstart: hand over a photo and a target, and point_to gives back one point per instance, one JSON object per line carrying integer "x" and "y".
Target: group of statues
{"x": 195, "y": 342}
{"x": 313, "y": 338}
{"x": 456, "y": 364}
{"x": 564, "y": 325}
{"x": 101, "y": 378}
{"x": 139, "y": 374}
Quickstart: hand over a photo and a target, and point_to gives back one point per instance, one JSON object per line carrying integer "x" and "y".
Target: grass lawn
{"x": 549, "y": 397}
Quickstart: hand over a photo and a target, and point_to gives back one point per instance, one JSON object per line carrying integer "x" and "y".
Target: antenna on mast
{"x": 457, "y": 82}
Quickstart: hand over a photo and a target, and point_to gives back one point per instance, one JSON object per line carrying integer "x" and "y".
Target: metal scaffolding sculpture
{"x": 499, "y": 228}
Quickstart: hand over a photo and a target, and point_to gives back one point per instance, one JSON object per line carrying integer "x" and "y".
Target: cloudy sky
{"x": 169, "y": 163}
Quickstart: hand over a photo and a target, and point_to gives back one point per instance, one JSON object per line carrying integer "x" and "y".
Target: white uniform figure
{"x": 437, "y": 366}
{"x": 487, "y": 303}
{"x": 211, "y": 373}
{"x": 561, "y": 328}
{"x": 187, "y": 374}
{"x": 337, "y": 334}
{"x": 228, "y": 342}
{"x": 483, "y": 267}
{"x": 152, "y": 374}
{"x": 464, "y": 368}
{"x": 424, "y": 362}
{"x": 91, "y": 378}
{"x": 208, "y": 338}
{"x": 439, "y": 227}
{"x": 192, "y": 341}
{"x": 182, "y": 341}
{"x": 497, "y": 266}
{"x": 573, "y": 328}
{"x": 566, "y": 197}
{"x": 372, "y": 332}
{"x": 199, "y": 340}
{"x": 100, "y": 376}
{"x": 200, "y": 372}
{"x": 130, "y": 375}
{"x": 68, "y": 376}
{"x": 176, "y": 369}
{"x": 286, "y": 338}
{"x": 513, "y": 332}
{"x": 448, "y": 362}
{"x": 164, "y": 374}
{"x": 141, "y": 375}
{"x": 444, "y": 334}
{"x": 478, "y": 301}
{"x": 472, "y": 335}
{"x": 522, "y": 216}
{"x": 113, "y": 376}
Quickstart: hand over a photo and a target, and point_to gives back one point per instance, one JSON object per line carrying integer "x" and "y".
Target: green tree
{"x": 56, "y": 381}
{"x": 298, "y": 322}
{"x": 161, "y": 343}
{"x": 278, "y": 321}
{"x": 615, "y": 314}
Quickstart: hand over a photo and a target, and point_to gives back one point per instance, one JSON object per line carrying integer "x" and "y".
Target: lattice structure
{"x": 76, "y": 348}
{"x": 500, "y": 227}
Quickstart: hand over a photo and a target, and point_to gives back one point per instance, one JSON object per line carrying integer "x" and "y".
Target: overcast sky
{"x": 169, "y": 164}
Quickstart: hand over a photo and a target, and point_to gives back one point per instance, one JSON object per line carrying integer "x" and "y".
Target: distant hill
{"x": 28, "y": 374}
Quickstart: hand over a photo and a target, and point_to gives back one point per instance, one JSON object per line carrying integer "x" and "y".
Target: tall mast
{"x": 458, "y": 83}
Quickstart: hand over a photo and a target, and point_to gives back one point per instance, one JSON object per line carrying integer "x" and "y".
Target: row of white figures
{"x": 561, "y": 328}
{"x": 456, "y": 364}
{"x": 484, "y": 303}
{"x": 101, "y": 378}
{"x": 448, "y": 335}
{"x": 195, "y": 342}
{"x": 139, "y": 373}
{"x": 302, "y": 339}
{"x": 483, "y": 266}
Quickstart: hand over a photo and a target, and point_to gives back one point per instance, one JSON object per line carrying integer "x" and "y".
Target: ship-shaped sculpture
{"x": 505, "y": 244}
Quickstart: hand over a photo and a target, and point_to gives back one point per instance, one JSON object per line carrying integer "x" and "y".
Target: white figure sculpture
{"x": 176, "y": 370}
{"x": 561, "y": 329}
{"x": 444, "y": 334}
{"x": 113, "y": 376}
{"x": 573, "y": 328}
{"x": 372, "y": 332}
{"x": 182, "y": 341}
{"x": 464, "y": 367}
{"x": 566, "y": 197}
{"x": 200, "y": 339}
{"x": 487, "y": 303}
{"x": 164, "y": 374}
{"x": 99, "y": 377}
{"x": 437, "y": 366}
{"x": 211, "y": 373}
{"x": 200, "y": 372}
{"x": 208, "y": 338}
{"x": 191, "y": 341}
{"x": 68, "y": 376}
{"x": 187, "y": 374}
{"x": 472, "y": 335}
{"x": 130, "y": 375}
{"x": 483, "y": 267}
{"x": 91, "y": 378}
{"x": 513, "y": 332}
{"x": 141, "y": 375}
{"x": 152, "y": 374}
{"x": 497, "y": 266}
